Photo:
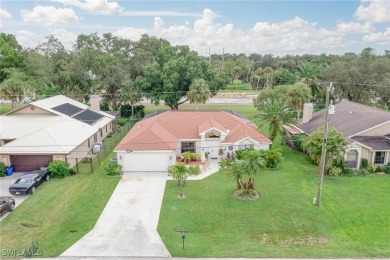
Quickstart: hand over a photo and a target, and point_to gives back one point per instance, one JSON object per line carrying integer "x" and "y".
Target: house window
{"x": 379, "y": 158}
{"x": 213, "y": 134}
{"x": 187, "y": 147}
{"x": 245, "y": 146}
{"x": 95, "y": 138}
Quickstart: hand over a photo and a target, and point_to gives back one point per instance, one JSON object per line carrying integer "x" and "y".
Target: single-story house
{"x": 154, "y": 142}
{"x": 366, "y": 128}
{"x": 55, "y": 128}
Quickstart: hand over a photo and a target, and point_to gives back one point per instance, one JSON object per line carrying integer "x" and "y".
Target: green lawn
{"x": 59, "y": 213}
{"x": 248, "y": 110}
{"x": 352, "y": 221}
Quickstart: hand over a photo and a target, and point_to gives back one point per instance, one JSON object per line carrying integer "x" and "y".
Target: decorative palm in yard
{"x": 275, "y": 113}
{"x": 298, "y": 95}
{"x": 179, "y": 173}
{"x": 244, "y": 172}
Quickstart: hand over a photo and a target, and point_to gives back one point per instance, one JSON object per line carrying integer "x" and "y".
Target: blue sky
{"x": 276, "y": 27}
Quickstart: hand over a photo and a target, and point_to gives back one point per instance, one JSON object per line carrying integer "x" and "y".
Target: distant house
{"x": 154, "y": 143}
{"x": 366, "y": 128}
{"x": 55, "y": 128}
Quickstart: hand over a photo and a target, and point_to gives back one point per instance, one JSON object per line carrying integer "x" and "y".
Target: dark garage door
{"x": 24, "y": 163}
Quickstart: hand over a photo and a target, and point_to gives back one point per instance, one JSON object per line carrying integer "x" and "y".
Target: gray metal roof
{"x": 350, "y": 118}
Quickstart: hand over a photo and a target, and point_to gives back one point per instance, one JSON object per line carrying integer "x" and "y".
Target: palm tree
{"x": 258, "y": 73}
{"x": 236, "y": 171}
{"x": 253, "y": 165}
{"x": 309, "y": 74}
{"x": 179, "y": 172}
{"x": 14, "y": 86}
{"x": 268, "y": 72}
{"x": 130, "y": 93}
{"x": 275, "y": 113}
{"x": 199, "y": 92}
{"x": 298, "y": 95}
{"x": 236, "y": 73}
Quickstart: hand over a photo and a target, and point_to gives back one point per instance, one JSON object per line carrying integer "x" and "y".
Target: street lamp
{"x": 183, "y": 236}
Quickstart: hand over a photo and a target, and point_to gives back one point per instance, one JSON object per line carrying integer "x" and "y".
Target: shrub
{"x": 122, "y": 121}
{"x": 335, "y": 171}
{"x": 139, "y": 111}
{"x": 387, "y": 169}
{"x": 2, "y": 168}
{"x": 372, "y": 167}
{"x": 342, "y": 164}
{"x": 104, "y": 106}
{"x": 363, "y": 171}
{"x": 194, "y": 170}
{"x": 2, "y": 174}
{"x": 272, "y": 157}
{"x": 364, "y": 163}
{"x": 189, "y": 156}
{"x": 58, "y": 169}
{"x": 71, "y": 172}
{"x": 298, "y": 141}
{"x": 113, "y": 169}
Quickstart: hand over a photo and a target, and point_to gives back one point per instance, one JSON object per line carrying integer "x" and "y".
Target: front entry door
{"x": 212, "y": 147}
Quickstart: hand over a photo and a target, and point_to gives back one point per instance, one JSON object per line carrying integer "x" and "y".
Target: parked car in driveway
{"x": 28, "y": 182}
{"x": 6, "y": 204}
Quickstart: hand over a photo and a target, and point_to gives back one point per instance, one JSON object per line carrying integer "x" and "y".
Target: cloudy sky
{"x": 274, "y": 26}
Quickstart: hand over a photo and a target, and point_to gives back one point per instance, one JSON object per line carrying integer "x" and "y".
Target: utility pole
{"x": 321, "y": 169}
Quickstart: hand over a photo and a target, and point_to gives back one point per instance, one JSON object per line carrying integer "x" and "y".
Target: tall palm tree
{"x": 309, "y": 74}
{"x": 268, "y": 71}
{"x": 258, "y": 74}
{"x": 131, "y": 94}
{"x": 275, "y": 113}
{"x": 298, "y": 95}
{"x": 199, "y": 92}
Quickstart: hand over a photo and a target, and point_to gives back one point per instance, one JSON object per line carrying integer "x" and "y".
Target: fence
{"x": 92, "y": 162}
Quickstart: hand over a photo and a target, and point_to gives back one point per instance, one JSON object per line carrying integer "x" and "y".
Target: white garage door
{"x": 146, "y": 162}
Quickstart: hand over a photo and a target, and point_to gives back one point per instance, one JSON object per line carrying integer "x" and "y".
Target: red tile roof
{"x": 163, "y": 131}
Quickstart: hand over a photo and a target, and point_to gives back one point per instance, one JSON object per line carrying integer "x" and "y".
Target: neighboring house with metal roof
{"x": 154, "y": 143}
{"x": 55, "y": 128}
{"x": 366, "y": 128}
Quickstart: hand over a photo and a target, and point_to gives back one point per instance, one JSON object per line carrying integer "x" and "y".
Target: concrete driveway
{"x": 128, "y": 223}
{"x": 7, "y": 181}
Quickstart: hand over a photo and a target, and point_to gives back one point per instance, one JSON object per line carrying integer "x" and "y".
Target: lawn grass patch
{"x": 350, "y": 222}
{"x": 59, "y": 213}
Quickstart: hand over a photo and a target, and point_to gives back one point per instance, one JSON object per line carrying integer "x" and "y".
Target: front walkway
{"x": 127, "y": 226}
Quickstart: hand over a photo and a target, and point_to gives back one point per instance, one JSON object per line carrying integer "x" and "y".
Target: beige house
{"x": 55, "y": 128}
{"x": 366, "y": 128}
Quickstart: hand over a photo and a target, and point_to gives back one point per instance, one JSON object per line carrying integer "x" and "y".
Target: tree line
{"x": 125, "y": 71}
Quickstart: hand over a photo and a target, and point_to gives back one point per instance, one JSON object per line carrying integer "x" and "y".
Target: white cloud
{"x": 158, "y": 23}
{"x": 130, "y": 33}
{"x": 96, "y": 6}
{"x": 49, "y": 15}
{"x": 374, "y": 11}
{"x": 4, "y": 14}
{"x": 67, "y": 38}
{"x": 354, "y": 27}
{"x": 27, "y": 38}
{"x": 380, "y": 38}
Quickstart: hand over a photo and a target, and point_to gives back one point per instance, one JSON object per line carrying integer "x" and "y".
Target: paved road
{"x": 128, "y": 223}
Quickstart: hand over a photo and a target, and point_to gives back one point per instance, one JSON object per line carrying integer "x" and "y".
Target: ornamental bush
{"x": 114, "y": 169}
{"x": 58, "y": 169}
{"x": 194, "y": 170}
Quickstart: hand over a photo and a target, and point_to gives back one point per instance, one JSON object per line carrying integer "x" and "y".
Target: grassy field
{"x": 248, "y": 110}
{"x": 352, "y": 220}
{"x": 59, "y": 213}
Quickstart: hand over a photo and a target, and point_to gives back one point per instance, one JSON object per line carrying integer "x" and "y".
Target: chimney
{"x": 307, "y": 112}
{"x": 94, "y": 100}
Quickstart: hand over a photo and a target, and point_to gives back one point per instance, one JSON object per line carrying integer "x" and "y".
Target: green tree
{"x": 335, "y": 148}
{"x": 199, "y": 92}
{"x": 275, "y": 114}
{"x": 268, "y": 72}
{"x": 131, "y": 94}
{"x": 15, "y": 87}
{"x": 180, "y": 172}
{"x": 298, "y": 95}
{"x": 309, "y": 74}
{"x": 254, "y": 165}
{"x": 265, "y": 95}
{"x": 10, "y": 54}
